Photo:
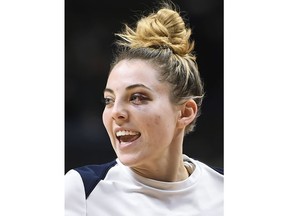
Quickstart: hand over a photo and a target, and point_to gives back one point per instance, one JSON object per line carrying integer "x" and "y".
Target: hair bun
{"x": 165, "y": 28}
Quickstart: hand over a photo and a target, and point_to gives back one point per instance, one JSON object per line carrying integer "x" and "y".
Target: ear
{"x": 188, "y": 113}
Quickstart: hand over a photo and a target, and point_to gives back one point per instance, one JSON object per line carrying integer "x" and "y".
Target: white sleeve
{"x": 75, "y": 200}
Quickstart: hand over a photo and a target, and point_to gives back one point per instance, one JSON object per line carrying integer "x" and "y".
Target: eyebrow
{"x": 129, "y": 88}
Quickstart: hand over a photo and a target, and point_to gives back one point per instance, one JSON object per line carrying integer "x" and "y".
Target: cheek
{"x": 164, "y": 123}
{"x": 105, "y": 119}
{"x": 162, "y": 119}
{"x": 157, "y": 120}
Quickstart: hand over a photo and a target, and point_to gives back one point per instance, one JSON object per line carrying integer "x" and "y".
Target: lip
{"x": 123, "y": 145}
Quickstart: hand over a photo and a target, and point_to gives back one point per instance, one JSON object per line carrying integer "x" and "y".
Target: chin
{"x": 128, "y": 159}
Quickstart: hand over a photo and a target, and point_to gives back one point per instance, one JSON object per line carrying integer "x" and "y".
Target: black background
{"x": 89, "y": 33}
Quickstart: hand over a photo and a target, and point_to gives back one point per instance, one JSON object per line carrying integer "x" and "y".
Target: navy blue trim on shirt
{"x": 92, "y": 174}
{"x": 219, "y": 170}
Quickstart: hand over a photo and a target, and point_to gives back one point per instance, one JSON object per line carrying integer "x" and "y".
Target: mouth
{"x": 125, "y": 136}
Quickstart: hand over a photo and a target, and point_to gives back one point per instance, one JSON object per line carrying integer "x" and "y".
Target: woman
{"x": 152, "y": 100}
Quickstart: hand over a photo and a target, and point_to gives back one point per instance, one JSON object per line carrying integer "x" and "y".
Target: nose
{"x": 119, "y": 112}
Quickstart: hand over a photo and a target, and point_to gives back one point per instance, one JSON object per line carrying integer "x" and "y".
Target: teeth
{"x": 123, "y": 133}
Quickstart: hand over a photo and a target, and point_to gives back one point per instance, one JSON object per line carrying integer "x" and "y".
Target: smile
{"x": 127, "y": 136}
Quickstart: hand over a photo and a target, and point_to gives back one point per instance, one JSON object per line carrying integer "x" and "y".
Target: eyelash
{"x": 136, "y": 99}
{"x": 107, "y": 100}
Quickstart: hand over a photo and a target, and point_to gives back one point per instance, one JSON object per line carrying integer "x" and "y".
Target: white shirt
{"x": 123, "y": 192}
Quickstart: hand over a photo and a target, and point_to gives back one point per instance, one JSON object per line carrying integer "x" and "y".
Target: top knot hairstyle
{"x": 163, "y": 39}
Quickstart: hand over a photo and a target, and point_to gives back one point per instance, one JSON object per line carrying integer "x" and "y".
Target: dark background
{"x": 89, "y": 33}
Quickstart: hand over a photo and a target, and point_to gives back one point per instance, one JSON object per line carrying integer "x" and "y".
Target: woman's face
{"x": 139, "y": 117}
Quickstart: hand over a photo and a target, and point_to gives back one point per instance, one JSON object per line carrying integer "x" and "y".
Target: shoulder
{"x": 79, "y": 183}
{"x": 213, "y": 169}
{"x": 73, "y": 182}
{"x": 91, "y": 175}
{"x": 211, "y": 178}
{"x": 74, "y": 194}
{"x": 211, "y": 174}
{"x": 220, "y": 170}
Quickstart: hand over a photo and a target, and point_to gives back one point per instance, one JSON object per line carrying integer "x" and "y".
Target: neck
{"x": 168, "y": 167}
{"x": 168, "y": 173}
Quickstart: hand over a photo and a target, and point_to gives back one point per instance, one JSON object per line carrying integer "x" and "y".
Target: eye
{"x": 138, "y": 98}
{"x": 108, "y": 101}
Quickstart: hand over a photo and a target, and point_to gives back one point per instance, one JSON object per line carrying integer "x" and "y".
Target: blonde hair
{"x": 163, "y": 39}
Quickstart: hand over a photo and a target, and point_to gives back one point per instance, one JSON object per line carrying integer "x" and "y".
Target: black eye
{"x": 138, "y": 99}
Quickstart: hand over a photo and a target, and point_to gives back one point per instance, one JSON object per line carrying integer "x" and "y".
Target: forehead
{"x": 129, "y": 72}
